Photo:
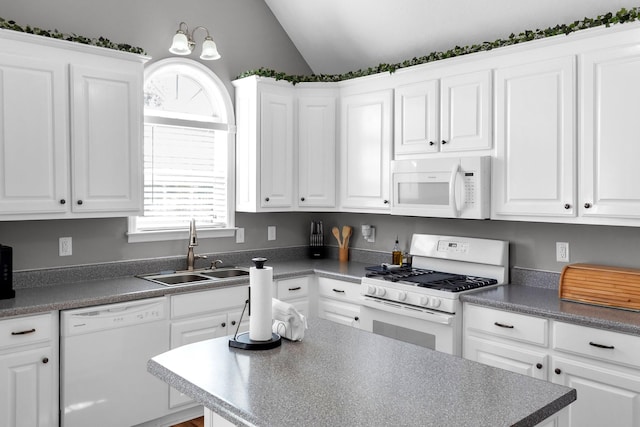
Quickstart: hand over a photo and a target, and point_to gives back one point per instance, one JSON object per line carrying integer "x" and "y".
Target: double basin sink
{"x": 179, "y": 278}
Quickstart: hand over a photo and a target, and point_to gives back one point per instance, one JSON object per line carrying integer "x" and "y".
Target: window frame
{"x": 228, "y": 115}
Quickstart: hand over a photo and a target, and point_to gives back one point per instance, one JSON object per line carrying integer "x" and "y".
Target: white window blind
{"x": 185, "y": 177}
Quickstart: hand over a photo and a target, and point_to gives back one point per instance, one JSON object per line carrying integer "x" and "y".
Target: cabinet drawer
{"x": 339, "y": 312}
{"x": 612, "y": 347}
{"x": 292, "y": 288}
{"x": 506, "y": 324}
{"x": 338, "y": 289}
{"x": 195, "y": 303}
{"x": 25, "y": 330}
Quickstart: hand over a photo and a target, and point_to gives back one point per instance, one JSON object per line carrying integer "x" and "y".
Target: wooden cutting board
{"x": 601, "y": 285}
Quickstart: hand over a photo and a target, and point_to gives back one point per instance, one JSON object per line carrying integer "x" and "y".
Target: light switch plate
{"x": 239, "y": 235}
{"x": 65, "y": 247}
{"x": 271, "y": 232}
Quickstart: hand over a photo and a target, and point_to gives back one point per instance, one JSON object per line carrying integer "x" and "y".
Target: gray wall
{"x": 248, "y": 36}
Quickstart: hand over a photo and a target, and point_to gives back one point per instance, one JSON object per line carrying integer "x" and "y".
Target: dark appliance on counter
{"x": 6, "y": 272}
{"x": 317, "y": 249}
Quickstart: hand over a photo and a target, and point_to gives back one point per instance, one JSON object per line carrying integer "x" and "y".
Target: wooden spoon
{"x": 346, "y": 242}
{"x": 346, "y": 232}
{"x": 336, "y": 234}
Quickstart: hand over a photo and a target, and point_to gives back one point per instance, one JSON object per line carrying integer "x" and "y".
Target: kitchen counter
{"x": 546, "y": 303}
{"x": 531, "y": 300}
{"x": 341, "y": 376}
{"x": 84, "y": 293}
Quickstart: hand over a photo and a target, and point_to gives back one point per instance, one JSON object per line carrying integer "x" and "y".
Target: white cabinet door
{"x": 106, "y": 139}
{"x": 276, "y": 148}
{"x": 505, "y": 356}
{"x": 605, "y": 396}
{"x": 316, "y": 150}
{"x": 365, "y": 146}
{"x": 610, "y": 97}
{"x": 28, "y": 395}
{"x": 34, "y": 144}
{"x": 191, "y": 331}
{"x": 416, "y": 119}
{"x": 534, "y": 169}
{"x": 466, "y": 112}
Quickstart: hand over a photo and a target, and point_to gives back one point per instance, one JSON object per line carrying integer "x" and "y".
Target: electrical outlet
{"x": 239, "y": 235}
{"x": 271, "y": 232}
{"x": 562, "y": 251}
{"x": 65, "y": 246}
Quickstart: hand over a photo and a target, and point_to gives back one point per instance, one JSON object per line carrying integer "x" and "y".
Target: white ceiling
{"x": 336, "y": 36}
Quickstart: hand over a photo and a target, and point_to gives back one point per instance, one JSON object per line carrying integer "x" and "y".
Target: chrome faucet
{"x": 193, "y": 242}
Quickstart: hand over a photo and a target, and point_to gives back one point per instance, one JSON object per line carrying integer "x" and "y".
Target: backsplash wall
{"x": 532, "y": 244}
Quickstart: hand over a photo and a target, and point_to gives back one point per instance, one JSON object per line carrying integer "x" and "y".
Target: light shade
{"x": 180, "y": 45}
{"x": 209, "y": 50}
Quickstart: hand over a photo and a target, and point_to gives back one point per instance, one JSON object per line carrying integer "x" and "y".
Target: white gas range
{"x": 420, "y": 304}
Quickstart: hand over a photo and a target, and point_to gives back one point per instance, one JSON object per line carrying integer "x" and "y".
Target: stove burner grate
{"x": 431, "y": 279}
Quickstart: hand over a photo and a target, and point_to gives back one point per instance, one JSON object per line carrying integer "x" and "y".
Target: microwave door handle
{"x": 452, "y": 190}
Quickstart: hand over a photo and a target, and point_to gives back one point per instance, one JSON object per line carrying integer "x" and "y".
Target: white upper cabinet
{"x": 34, "y": 141}
{"x": 316, "y": 148}
{"x": 534, "y": 169}
{"x": 71, "y": 124}
{"x": 447, "y": 114}
{"x": 610, "y": 146}
{"x": 264, "y": 145}
{"x": 106, "y": 105}
{"x": 416, "y": 118}
{"x": 365, "y": 151}
{"x": 466, "y": 112}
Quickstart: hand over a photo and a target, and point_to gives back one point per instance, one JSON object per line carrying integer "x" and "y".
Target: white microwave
{"x": 455, "y": 187}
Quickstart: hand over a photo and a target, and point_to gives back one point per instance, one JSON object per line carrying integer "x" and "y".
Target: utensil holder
{"x": 343, "y": 254}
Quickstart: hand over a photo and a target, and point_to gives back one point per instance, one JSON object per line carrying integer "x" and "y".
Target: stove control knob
{"x": 371, "y": 290}
{"x": 381, "y": 291}
{"x": 424, "y": 300}
{"x": 402, "y": 295}
{"x": 435, "y": 302}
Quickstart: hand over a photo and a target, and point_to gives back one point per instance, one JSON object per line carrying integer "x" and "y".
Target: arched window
{"x": 188, "y": 153}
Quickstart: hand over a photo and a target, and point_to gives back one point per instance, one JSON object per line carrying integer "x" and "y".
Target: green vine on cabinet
{"x": 608, "y": 19}
{"x": 55, "y": 34}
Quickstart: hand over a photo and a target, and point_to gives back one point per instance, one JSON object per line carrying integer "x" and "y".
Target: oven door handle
{"x": 430, "y": 316}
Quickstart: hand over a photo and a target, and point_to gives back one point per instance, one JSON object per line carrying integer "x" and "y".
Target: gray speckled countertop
{"x": 332, "y": 378}
{"x": 546, "y": 303}
{"x": 83, "y": 293}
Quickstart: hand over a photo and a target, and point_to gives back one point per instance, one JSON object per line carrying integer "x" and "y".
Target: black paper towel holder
{"x": 242, "y": 341}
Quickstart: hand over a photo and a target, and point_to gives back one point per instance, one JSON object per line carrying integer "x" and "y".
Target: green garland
{"x": 55, "y": 34}
{"x": 622, "y": 16}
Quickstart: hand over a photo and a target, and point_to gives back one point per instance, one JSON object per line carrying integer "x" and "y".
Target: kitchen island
{"x": 341, "y": 376}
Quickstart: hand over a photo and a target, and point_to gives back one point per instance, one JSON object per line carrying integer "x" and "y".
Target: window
{"x": 188, "y": 153}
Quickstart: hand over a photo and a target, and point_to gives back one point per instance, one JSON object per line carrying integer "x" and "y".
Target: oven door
{"x": 426, "y": 328}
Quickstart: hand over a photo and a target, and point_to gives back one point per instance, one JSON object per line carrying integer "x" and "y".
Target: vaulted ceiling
{"x": 336, "y": 36}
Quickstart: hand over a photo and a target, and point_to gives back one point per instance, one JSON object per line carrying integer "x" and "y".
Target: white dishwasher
{"x": 103, "y": 363}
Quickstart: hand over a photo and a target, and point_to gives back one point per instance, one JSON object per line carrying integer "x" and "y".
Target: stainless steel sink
{"x": 223, "y": 273}
{"x": 180, "y": 278}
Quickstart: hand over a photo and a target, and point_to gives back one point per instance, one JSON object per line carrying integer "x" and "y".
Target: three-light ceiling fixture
{"x": 183, "y": 43}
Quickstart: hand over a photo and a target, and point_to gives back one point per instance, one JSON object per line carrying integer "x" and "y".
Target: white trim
{"x": 164, "y": 235}
{"x": 228, "y": 118}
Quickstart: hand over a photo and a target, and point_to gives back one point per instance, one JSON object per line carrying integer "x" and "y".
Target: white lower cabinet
{"x": 294, "y": 291}
{"x": 204, "y": 315}
{"x": 29, "y": 371}
{"x": 338, "y": 301}
{"x": 602, "y": 366}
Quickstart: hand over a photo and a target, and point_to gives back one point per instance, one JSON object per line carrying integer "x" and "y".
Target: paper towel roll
{"x": 260, "y": 319}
